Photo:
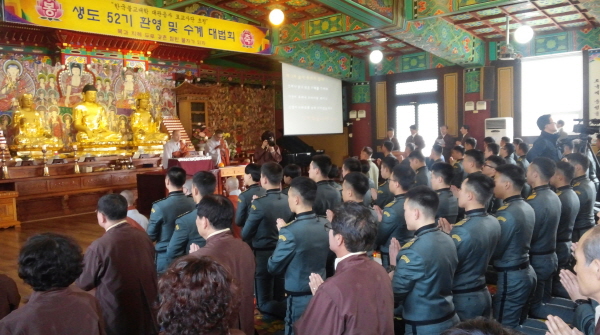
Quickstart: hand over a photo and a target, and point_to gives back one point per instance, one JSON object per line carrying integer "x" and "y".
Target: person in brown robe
{"x": 49, "y": 263}
{"x": 9, "y": 295}
{"x": 197, "y": 296}
{"x": 120, "y": 266}
{"x": 215, "y": 213}
{"x": 358, "y": 299}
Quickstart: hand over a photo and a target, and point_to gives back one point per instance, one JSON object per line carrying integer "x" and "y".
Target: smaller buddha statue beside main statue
{"x": 30, "y": 128}
{"x": 145, "y": 128}
{"x": 91, "y": 122}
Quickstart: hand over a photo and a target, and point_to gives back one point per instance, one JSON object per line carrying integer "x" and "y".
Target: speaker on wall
{"x": 488, "y": 83}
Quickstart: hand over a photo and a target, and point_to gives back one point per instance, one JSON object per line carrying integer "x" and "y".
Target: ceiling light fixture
{"x": 523, "y": 34}
{"x": 376, "y": 56}
{"x": 276, "y": 16}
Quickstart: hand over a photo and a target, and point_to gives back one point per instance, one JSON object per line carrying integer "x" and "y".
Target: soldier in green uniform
{"x": 435, "y": 156}
{"x": 252, "y": 183}
{"x": 546, "y": 206}
{"x": 476, "y": 237}
{"x": 586, "y": 191}
{"x": 365, "y": 169}
{"x": 458, "y": 153}
{"x": 301, "y": 250}
{"x": 391, "y": 217}
{"x": 164, "y": 213}
{"x": 290, "y": 172}
{"x": 186, "y": 233}
{"x": 352, "y": 164}
{"x": 261, "y": 232}
{"x": 489, "y": 169}
{"x": 417, "y": 163}
{"x": 508, "y": 152}
{"x": 333, "y": 176}
{"x": 569, "y": 200}
{"x": 441, "y": 178}
{"x": 354, "y": 188}
{"x": 521, "y": 150}
{"x": 327, "y": 196}
{"x": 384, "y": 196}
{"x": 516, "y": 278}
{"x": 425, "y": 266}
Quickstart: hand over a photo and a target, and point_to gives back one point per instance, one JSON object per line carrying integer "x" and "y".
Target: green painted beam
{"x": 358, "y": 12}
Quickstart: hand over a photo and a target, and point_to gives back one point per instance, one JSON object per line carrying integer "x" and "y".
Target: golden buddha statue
{"x": 30, "y": 127}
{"x": 91, "y": 120}
{"x": 146, "y": 130}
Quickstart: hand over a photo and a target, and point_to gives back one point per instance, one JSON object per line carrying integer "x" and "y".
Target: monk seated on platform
{"x": 197, "y": 296}
{"x": 30, "y": 128}
{"x": 146, "y": 130}
{"x": 50, "y": 263}
{"x": 91, "y": 121}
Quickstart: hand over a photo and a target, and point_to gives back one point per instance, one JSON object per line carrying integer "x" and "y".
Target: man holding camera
{"x": 268, "y": 150}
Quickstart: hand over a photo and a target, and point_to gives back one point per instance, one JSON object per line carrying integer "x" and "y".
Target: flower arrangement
{"x": 231, "y": 145}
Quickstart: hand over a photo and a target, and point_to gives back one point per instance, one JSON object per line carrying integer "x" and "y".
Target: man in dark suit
{"x": 301, "y": 250}
{"x": 392, "y": 138}
{"x": 464, "y": 134}
{"x": 214, "y": 216}
{"x": 447, "y": 142}
{"x": 164, "y": 213}
{"x": 415, "y": 138}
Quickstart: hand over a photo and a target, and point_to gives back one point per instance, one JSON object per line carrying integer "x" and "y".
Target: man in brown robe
{"x": 50, "y": 263}
{"x": 9, "y": 296}
{"x": 215, "y": 214}
{"x": 358, "y": 299}
{"x": 120, "y": 265}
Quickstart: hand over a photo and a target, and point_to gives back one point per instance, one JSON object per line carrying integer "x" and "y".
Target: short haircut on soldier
{"x": 567, "y": 170}
{"x": 425, "y": 199}
{"x": 365, "y": 166}
{"x": 334, "y": 172}
{"x": 113, "y": 206}
{"x": 368, "y": 151}
{"x": 418, "y": 155}
{"x": 205, "y": 182}
{"x": 273, "y": 172}
{"x": 506, "y": 139}
{"x": 489, "y": 140}
{"x": 437, "y": 149}
{"x": 359, "y": 183}
{"x": 323, "y": 163}
{"x": 49, "y": 260}
{"x": 388, "y": 145}
{"x": 306, "y": 188}
{"x": 444, "y": 170}
{"x": 176, "y": 176}
{"x": 217, "y": 209}
{"x": 510, "y": 148}
{"x": 352, "y": 164}
{"x": 471, "y": 141}
{"x": 578, "y": 159}
{"x": 459, "y": 148}
{"x": 545, "y": 167}
{"x": 292, "y": 171}
{"x": 254, "y": 171}
{"x": 513, "y": 173}
{"x": 481, "y": 185}
{"x": 411, "y": 147}
{"x": 517, "y": 141}
{"x": 404, "y": 175}
{"x": 389, "y": 162}
{"x": 524, "y": 148}
{"x": 591, "y": 245}
{"x": 494, "y": 148}
{"x": 496, "y": 160}
{"x": 355, "y": 223}
{"x": 477, "y": 156}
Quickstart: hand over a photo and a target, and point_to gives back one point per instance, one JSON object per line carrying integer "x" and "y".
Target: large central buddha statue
{"x": 146, "y": 130}
{"x": 30, "y": 127}
{"x": 91, "y": 120}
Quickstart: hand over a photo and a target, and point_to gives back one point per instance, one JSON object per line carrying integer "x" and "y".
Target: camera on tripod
{"x": 593, "y": 127}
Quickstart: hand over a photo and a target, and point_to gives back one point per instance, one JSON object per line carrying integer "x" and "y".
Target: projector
{"x": 507, "y": 52}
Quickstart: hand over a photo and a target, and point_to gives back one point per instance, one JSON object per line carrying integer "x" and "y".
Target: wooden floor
{"x": 83, "y": 228}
